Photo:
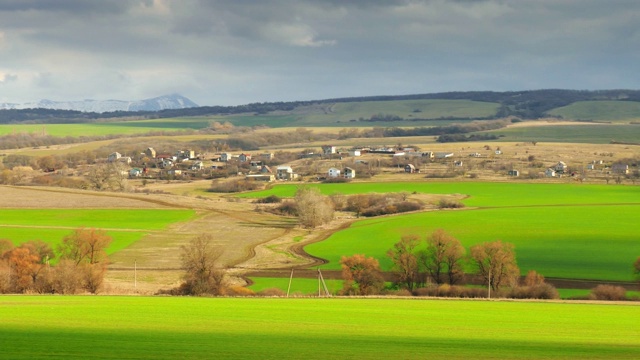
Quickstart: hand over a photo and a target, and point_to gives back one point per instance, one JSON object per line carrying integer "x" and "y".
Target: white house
{"x": 349, "y": 173}
{"x": 114, "y": 157}
{"x": 333, "y": 173}
{"x": 285, "y": 173}
{"x": 550, "y": 172}
{"x": 225, "y": 157}
{"x": 328, "y": 149}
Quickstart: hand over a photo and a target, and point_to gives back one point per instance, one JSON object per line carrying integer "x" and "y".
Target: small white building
{"x": 355, "y": 153}
{"x": 328, "y": 149}
{"x": 114, "y": 157}
{"x": 550, "y": 172}
{"x": 349, "y": 173}
{"x": 333, "y": 173}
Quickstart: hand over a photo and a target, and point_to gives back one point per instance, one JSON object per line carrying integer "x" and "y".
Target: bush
{"x": 446, "y": 290}
{"x": 272, "y": 199}
{"x": 449, "y": 204}
{"x": 336, "y": 180}
{"x": 608, "y": 292}
{"x": 236, "y": 290}
{"x": 287, "y": 208}
{"x": 539, "y": 291}
{"x": 234, "y": 186}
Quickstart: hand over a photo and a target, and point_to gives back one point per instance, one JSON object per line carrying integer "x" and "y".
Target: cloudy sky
{"x": 229, "y": 52}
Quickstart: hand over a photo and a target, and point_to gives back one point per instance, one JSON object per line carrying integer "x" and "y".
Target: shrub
{"x": 237, "y": 290}
{"x": 539, "y": 291}
{"x": 608, "y": 292}
{"x": 272, "y": 199}
{"x": 336, "y": 180}
{"x": 287, "y": 208}
{"x": 272, "y": 292}
{"x": 449, "y": 204}
{"x": 446, "y": 290}
{"x": 234, "y": 186}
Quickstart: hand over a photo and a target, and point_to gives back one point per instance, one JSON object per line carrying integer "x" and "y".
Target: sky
{"x": 232, "y": 52}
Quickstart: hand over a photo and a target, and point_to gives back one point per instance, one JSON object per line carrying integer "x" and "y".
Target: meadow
{"x": 589, "y": 134}
{"x": 79, "y": 327}
{"x": 560, "y": 230}
{"x": 599, "y": 110}
{"x": 125, "y": 226}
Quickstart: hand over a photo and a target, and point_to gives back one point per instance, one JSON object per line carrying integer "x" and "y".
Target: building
{"x": 333, "y": 173}
{"x": 114, "y": 157}
{"x": 349, "y": 173}
{"x": 285, "y": 173}
{"x": 409, "y": 168}
{"x": 620, "y": 169}
{"x": 550, "y": 172}
{"x": 244, "y": 157}
{"x": 513, "y": 173}
{"x": 328, "y": 149}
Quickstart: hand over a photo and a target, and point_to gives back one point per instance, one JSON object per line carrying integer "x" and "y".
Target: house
{"x": 125, "y": 159}
{"x": 150, "y": 152}
{"x": 354, "y": 153}
{"x": 264, "y": 169}
{"x": 550, "y": 172}
{"x": 186, "y": 154}
{"x": 285, "y": 173}
{"x": 266, "y": 156}
{"x": 165, "y": 163}
{"x": 333, "y": 173}
{"x": 513, "y": 173}
{"x": 620, "y": 169}
{"x": 560, "y": 167}
{"x": 225, "y": 157}
{"x": 244, "y": 157}
{"x": 428, "y": 154}
{"x": 457, "y": 163}
{"x": 349, "y": 173}
{"x": 114, "y": 157}
{"x": 328, "y": 149}
{"x": 591, "y": 166}
{"x": 498, "y": 152}
{"x": 443, "y": 155}
{"x": 198, "y": 165}
{"x": 135, "y": 172}
{"x": 255, "y": 165}
{"x": 261, "y": 177}
{"x": 409, "y": 168}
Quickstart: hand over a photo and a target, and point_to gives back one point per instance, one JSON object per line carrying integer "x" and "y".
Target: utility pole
{"x": 290, "y": 278}
{"x": 135, "y": 275}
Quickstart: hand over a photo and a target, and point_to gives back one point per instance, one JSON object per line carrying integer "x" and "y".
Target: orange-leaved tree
{"x": 361, "y": 275}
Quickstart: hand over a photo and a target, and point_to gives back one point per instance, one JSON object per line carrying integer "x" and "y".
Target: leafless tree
{"x": 405, "y": 261}
{"x": 313, "y": 208}
{"x": 200, "y": 261}
{"x": 443, "y": 257}
{"x": 496, "y": 263}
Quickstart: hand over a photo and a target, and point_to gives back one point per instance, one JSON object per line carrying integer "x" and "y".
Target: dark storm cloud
{"x": 242, "y": 51}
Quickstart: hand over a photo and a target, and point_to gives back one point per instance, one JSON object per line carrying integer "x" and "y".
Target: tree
{"x": 405, "y": 261}
{"x": 22, "y": 264}
{"x": 636, "y": 268}
{"x": 199, "y": 259}
{"x": 443, "y": 256}
{"x": 312, "y": 207}
{"x": 496, "y": 263}
{"x": 361, "y": 275}
{"x": 86, "y": 249}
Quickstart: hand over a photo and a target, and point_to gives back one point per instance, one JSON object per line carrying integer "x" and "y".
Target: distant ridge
{"x": 165, "y": 102}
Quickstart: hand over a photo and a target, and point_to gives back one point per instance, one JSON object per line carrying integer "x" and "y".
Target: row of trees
{"x": 33, "y": 267}
{"x": 441, "y": 260}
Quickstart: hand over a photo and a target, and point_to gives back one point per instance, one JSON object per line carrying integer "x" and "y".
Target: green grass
{"x": 80, "y": 327}
{"x": 588, "y": 134}
{"x": 599, "y": 110}
{"x": 302, "y": 286}
{"x": 560, "y": 230}
{"x": 582, "y": 242}
{"x": 125, "y": 226}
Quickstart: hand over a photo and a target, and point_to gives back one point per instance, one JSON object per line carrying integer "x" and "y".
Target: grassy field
{"x": 560, "y": 230}
{"x": 194, "y": 328}
{"x": 599, "y": 110}
{"x": 125, "y": 226}
{"x": 303, "y": 286}
{"x": 591, "y": 134}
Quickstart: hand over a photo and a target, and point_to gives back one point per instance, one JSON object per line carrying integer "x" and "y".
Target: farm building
{"x": 550, "y": 172}
{"x": 409, "y": 168}
{"x": 285, "y": 173}
{"x": 328, "y": 149}
{"x": 114, "y": 157}
{"x": 333, "y": 173}
{"x": 560, "y": 167}
{"x": 349, "y": 173}
{"x": 513, "y": 173}
{"x": 620, "y": 169}
{"x": 261, "y": 177}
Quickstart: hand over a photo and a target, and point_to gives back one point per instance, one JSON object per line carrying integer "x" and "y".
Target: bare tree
{"x": 443, "y": 256}
{"x": 199, "y": 259}
{"x": 313, "y": 208}
{"x": 496, "y": 263}
{"x": 86, "y": 249}
{"x": 362, "y": 275}
{"x": 405, "y": 261}
{"x": 636, "y": 269}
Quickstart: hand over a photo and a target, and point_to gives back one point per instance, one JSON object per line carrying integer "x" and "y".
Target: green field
{"x": 560, "y": 230}
{"x": 125, "y": 226}
{"x": 599, "y": 110}
{"x": 587, "y": 134}
{"x": 301, "y": 286}
{"x": 80, "y": 327}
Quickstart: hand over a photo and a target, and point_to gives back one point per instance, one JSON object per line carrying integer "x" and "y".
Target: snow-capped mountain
{"x": 173, "y": 101}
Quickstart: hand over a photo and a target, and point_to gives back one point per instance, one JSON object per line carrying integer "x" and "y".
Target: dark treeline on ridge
{"x": 529, "y": 104}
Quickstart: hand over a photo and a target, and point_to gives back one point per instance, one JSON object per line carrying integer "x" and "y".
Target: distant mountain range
{"x": 173, "y": 101}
